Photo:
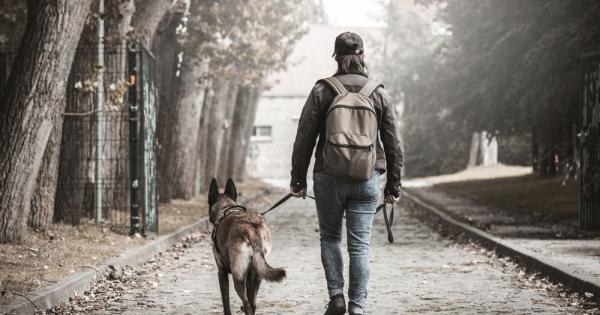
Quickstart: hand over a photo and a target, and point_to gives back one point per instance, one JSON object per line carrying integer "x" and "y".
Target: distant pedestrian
{"x": 352, "y": 117}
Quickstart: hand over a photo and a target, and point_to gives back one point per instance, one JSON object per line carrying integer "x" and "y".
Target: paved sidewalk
{"x": 422, "y": 273}
{"x": 581, "y": 254}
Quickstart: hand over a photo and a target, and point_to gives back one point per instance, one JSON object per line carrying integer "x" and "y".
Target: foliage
{"x": 507, "y": 67}
{"x": 12, "y": 17}
{"x": 255, "y": 37}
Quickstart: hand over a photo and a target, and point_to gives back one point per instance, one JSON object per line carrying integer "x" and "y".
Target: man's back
{"x": 312, "y": 124}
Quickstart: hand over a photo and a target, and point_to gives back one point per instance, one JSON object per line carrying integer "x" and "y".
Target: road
{"x": 421, "y": 273}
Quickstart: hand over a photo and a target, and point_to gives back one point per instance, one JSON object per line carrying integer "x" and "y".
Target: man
{"x": 334, "y": 192}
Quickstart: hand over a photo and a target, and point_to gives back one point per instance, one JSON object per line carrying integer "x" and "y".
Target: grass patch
{"x": 522, "y": 194}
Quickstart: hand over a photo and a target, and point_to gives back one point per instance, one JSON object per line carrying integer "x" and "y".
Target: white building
{"x": 281, "y": 104}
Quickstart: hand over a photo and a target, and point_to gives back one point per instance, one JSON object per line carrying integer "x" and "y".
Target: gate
{"x": 107, "y": 171}
{"x": 142, "y": 112}
{"x": 589, "y": 211}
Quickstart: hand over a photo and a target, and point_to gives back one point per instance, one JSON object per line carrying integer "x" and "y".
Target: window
{"x": 262, "y": 133}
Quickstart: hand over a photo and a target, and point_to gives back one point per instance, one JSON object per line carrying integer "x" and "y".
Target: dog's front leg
{"x": 224, "y": 285}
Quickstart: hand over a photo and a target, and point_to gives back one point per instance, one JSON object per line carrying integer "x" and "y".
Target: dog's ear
{"x": 230, "y": 190}
{"x": 213, "y": 192}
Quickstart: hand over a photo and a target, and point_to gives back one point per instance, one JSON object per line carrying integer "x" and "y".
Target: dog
{"x": 241, "y": 241}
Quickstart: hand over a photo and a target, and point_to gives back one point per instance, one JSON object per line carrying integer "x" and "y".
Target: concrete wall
{"x": 286, "y": 92}
{"x": 271, "y": 158}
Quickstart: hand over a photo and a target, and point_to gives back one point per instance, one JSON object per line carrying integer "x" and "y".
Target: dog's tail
{"x": 264, "y": 270}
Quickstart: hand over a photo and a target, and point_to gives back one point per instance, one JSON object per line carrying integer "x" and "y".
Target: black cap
{"x": 348, "y": 43}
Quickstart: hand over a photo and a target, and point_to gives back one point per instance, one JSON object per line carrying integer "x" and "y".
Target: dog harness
{"x": 225, "y": 213}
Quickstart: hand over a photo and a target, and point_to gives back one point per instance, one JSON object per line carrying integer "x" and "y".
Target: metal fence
{"x": 107, "y": 170}
{"x": 7, "y": 55}
{"x": 143, "y": 146}
{"x": 589, "y": 212}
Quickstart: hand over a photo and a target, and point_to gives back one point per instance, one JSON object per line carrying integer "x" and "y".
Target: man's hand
{"x": 389, "y": 198}
{"x": 298, "y": 192}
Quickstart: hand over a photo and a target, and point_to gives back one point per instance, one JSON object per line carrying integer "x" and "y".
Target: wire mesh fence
{"x": 589, "y": 213}
{"x": 107, "y": 155}
{"x": 94, "y": 167}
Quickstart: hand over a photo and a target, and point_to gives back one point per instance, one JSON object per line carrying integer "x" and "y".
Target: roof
{"x": 311, "y": 59}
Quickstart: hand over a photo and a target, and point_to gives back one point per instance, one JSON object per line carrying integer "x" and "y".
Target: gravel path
{"x": 422, "y": 273}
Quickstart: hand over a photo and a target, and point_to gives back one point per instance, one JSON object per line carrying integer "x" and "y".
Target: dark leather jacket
{"x": 312, "y": 124}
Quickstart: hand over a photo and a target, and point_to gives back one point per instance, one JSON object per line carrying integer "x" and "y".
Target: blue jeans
{"x": 358, "y": 199}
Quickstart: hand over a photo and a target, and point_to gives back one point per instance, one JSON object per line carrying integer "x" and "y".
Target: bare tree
{"x": 200, "y": 183}
{"x": 42, "y": 202}
{"x": 230, "y": 108}
{"x": 36, "y": 92}
{"x": 181, "y": 165}
{"x": 166, "y": 48}
{"x": 148, "y": 16}
{"x": 241, "y": 130}
{"x": 224, "y": 94}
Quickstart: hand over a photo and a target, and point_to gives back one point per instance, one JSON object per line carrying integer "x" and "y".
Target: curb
{"x": 570, "y": 277}
{"x": 77, "y": 283}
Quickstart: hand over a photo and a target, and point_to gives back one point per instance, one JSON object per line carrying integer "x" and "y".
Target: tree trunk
{"x": 184, "y": 132}
{"x": 535, "y": 150}
{"x": 12, "y": 27}
{"x": 167, "y": 88}
{"x": 148, "y": 15}
{"x": 203, "y": 135}
{"x": 483, "y": 147}
{"x": 222, "y": 96}
{"x": 473, "y": 150}
{"x": 42, "y": 203}
{"x": 74, "y": 191}
{"x": 36, "y": 92}
{"x": 202, "y": 140}
{"x": 179, "y": 121}
{"x": 231, "y": 106}
{"x": 241, "y": 130}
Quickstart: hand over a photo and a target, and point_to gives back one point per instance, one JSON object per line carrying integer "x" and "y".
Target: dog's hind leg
{"x": 254, "y": 283}
{"x": 250, "y": 288}
{"x": 240, "y": 287}
{"x": 240, "y": 263}
{"x": 224, "y": 285}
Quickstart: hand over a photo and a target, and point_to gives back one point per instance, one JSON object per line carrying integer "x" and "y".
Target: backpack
{"x": 351, "y": 127}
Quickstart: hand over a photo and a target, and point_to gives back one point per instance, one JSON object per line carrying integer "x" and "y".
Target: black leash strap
{"x": 281, "y": 201}
{"x": 388, "y": 220}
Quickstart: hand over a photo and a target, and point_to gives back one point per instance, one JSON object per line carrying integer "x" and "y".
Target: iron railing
{"x": 123, "y": 170}
{"x": 589, "y": 212}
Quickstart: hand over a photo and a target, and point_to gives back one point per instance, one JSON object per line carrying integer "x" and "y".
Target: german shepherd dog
{"x": 241, "y": 240}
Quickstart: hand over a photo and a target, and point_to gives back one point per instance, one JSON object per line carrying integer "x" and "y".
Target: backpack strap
{"x": 369, "y": 88}
{"x": 336, "y": 85}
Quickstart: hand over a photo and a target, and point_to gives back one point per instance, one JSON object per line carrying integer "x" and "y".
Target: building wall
{"x": 281, "y": 103}
{"x": 271, "y": 157}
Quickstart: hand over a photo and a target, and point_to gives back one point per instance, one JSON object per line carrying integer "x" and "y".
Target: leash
{"x": 282, "y": 201}
{"x": 388, "y": 220}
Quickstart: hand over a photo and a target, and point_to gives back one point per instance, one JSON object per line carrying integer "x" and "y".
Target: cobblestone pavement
{"x": 422, "y": 273}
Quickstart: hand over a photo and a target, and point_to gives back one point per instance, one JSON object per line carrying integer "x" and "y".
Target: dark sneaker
{"x": 337, "y": 305}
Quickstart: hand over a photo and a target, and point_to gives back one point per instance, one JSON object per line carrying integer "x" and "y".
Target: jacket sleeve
{"x": 306, "y": 136}
{"x": 392, "y": 144}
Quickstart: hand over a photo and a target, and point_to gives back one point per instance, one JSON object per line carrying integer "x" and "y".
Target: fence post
{"x": 589, "y": 209}
{"x": 99, "y": 116}
{"x": 147, "y": 149}
{"x": 134, "y": 98}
